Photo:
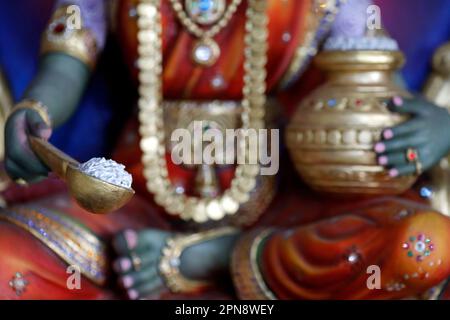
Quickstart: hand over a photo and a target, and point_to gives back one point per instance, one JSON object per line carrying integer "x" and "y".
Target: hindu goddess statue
{"x": 223, "y": 231}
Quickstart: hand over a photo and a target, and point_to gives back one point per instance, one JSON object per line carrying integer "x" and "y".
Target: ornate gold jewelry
{"x": 72, "y": 242}
{"x": 152, "y": 124}
{"x": 221, "y": 115}
{"x": 247, "y": 277}
{"x": 206, "y": 51}
{"x": 331, "y": 138}
{"x": 61, "y": 37}
{"x": 170, "y": 259}
{"x": 205, "y": 12}
{"x": 136, "y": 261}
{"x": 412, "y": 155}
{"x": 37, "y": 106}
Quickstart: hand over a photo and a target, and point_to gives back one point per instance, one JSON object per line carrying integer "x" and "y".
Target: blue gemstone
{"x": 426, "y": 192}
{"x": 332, "y": 102}
{"x": 205, "y": 5}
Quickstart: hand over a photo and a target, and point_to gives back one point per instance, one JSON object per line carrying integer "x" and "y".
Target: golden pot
{"x": 332, "y": 135}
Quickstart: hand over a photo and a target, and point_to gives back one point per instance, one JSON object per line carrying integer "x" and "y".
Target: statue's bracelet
{"x": 60, "y": 36}
{"x": 169, "y": 265}
{"x": 37, "y": 106}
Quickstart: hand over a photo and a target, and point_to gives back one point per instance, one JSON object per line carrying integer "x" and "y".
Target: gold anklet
{"x": 171, "y": 254}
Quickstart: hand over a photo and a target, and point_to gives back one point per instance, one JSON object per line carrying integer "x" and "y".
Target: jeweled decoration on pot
{"x": 332, "y": 135}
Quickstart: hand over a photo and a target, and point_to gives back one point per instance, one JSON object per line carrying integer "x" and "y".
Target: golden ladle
{"x": 93, "y": 194}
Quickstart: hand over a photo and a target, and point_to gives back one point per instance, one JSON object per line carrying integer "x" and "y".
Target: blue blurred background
{"x": 420, "y": 26}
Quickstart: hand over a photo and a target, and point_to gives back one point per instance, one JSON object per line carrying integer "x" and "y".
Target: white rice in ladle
{"x": 108, "y": 171}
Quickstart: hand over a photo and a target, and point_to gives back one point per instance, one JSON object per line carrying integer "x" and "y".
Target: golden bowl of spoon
{"x": 92, "y": 194}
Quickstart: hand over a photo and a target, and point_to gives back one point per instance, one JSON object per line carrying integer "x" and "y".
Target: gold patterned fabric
{"x": 318, "y": 22}
{"x": 72, "y": 242}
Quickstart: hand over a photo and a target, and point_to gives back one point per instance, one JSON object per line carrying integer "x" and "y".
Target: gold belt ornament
{"x": 198, "y": 209}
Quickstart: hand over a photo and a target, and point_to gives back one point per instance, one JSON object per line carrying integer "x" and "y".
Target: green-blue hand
{"x": 427, "y": 131}
{"x": 58, "y": 84}
{"x": 20, "y": 160}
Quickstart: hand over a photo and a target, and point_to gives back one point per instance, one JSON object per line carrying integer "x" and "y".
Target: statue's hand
{"x": 20, "y": 160}
{"x": 146, "y": 245}
{"x": 428, "y": 132}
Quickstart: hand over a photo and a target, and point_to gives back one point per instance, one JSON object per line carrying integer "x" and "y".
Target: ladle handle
{"x": 54, "y": 158}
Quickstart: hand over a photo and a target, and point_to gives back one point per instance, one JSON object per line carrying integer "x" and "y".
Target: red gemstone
{"x": 412, "y": 156}
{"x": 59, "y": 28}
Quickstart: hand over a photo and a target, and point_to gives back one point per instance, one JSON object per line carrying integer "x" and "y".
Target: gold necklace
{"x": 205, "y": 51}
{"x": 151, "y": 119}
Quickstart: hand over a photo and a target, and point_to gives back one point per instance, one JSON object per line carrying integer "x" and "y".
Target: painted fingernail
{"x": 398, "y": 101}
{"x": 122, "y": 264}
{"x": 133, "y": 294}
{"x": 131, "y": 238}
{"x": 380, "y": 147}
{"x": 45, "y": 133}
{"x": 127, "y": 281}
{"x": 388, "y": 134}
{"x": 393, "y": 173}
{"x": 43, "y": 130}
{"x": 383, "y": 160}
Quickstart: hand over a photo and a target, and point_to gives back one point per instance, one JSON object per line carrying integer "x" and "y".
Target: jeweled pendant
{"x": 205, "y": 12}
{"x": 206, "y": 52}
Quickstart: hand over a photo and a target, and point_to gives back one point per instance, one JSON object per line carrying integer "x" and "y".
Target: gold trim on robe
{"x": 247, "y": 277}
{"x": 71, "y": 241}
